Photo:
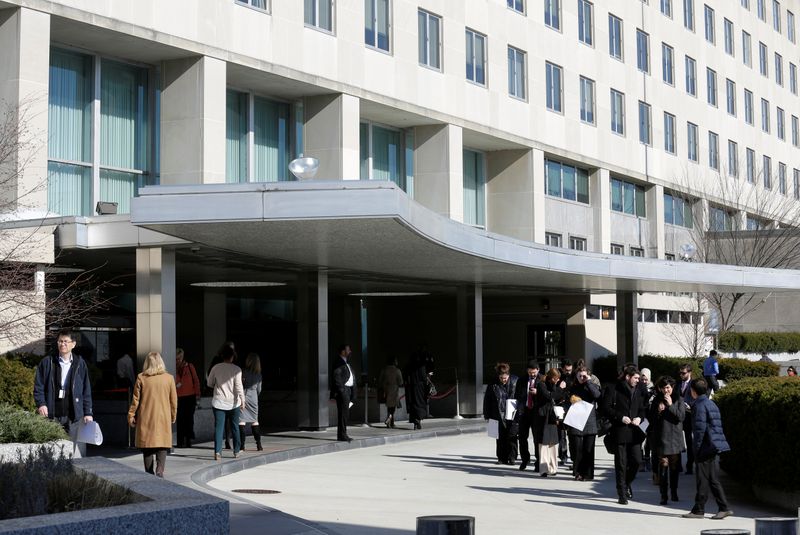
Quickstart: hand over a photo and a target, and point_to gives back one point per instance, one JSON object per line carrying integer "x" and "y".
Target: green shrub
{"x": 730, "y": 369}
{"x": 16, "y": 384}
{"x": 761, "y": 421}
{"x": 758, "y": 342}
{"x": 17, "y": 425}
{"x": 29, "y": 360}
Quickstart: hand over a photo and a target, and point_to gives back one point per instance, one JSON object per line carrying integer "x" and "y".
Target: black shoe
{"x": 344, "y": 439}
{"x": 629, "y": 492}
{"x": 622, "y": 500}
{"x": 675, "y": 497}
{"x": 543, "y": 474}
{"x": 663, "y": 501}
{"x": 227, "y": 445}
{"x": 523, "y": 465}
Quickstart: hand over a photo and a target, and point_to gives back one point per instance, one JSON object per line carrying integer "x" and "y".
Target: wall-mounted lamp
{"x": 304, "y": 168}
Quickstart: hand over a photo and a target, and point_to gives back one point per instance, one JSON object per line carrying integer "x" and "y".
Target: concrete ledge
{"x": 11, "y": 452}
{"x": 171, "y": 508}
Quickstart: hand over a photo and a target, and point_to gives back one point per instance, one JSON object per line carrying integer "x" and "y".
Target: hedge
{"x": 761, "y": 421}
{"x": 730, "y": 369}
{"x": 21, "y": 426}
{"x": 760, "y": 342}
{"x": 16, "y": 384}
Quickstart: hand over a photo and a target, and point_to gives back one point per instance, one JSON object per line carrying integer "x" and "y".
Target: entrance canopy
{"x": 374, "y": 227}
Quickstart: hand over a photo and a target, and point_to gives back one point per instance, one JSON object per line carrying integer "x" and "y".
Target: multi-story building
{"x": 481, "y": 164}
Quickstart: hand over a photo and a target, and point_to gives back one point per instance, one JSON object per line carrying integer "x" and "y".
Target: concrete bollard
{"x": 445, "y": 525}
{"x": 776, "y": 526}
{"x": 725, "y": 531}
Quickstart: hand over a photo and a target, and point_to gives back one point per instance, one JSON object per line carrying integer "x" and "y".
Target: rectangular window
{"x": 627, "y": 197}
{"x": 516, "y": 73}
{"x": 761, "y": 9}
{"x": 552, "y": 239}
{"x": 474, "y": 188}
{"x": 667, "y": 64}
{"x": 516, "y": 5}
{"x": 778, "y": 69}
{"x": 747, "y": 56}
{"x": 587, "y": 100}
{"x": 642, "y": 51}
{"x": 727, "y": 28}
{"x": 766, "y": 169}
{"x": 678, "y": 211}
{"x": 617, "y": 112}
{"x": 691, "y": 141}
{"x": 637, "y": 251}
{"x": 319, "y": 14}
{"x": 730, "y": 96}
{"x": 762, "y": 59}
{"x": 793, "y": 78}
{"x": 765, "y": 115}
{"x": 384, "y": 155}
{"x": 709, "y": 24}
{"x": 615, "y": 37}
{"x": 746, "y": 4}
{"x": 666, "y": 8}
{"x": 718, "y": 219}
{"x": 617, "y": 249}
{"x": 796, "y": 175}
{"x": 256, "y": 4}
{"x": 586, "y": 22}
{"x": 776, "y": 15}
{"x": 782, "y": 178}
{"x": 790, "y": 26}
{"x": 733, "y": 159}
{"x": 566, "y": 181}
{"x": 552, "y": 13}
{"x": 751, "y": 165}
{"x": 645, "y": 125}
{"x": 711, "y": 86}
{"x": 476, "y": 57}
{"x": 669, "y": 133}
{"x": 748, "y": 107}
{"x": 577, "y": 244}
{"x": 780, "y": 124}
{"x": 795, "y": 131}
{"x": 377, "y": 24}
{"x": 429, "y": 39}
{"x": 553, "y": 81}
{"x": 691, "y": 76}
{"x": 713, "y": 151}
{"x": 688, "y": 14}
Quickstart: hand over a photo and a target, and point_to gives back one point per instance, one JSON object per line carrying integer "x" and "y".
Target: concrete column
{"x": 537, "y": 161}
{"x": 469, "y": 313}
{"x": 439, "y": 169}
{"x": 24, "y": 81}
{"x": 600, "y": 196}
{"x": 510, "y": 193}
{"x": 655, "y": 219}
{"x": 193, "y": 109}
{"x": 155, "y": 305}
{"x": 215, "y": 332}
{"x": 627, "y": 328}
{"x": 312, "y": 351}
{"x": 331, "y": 134}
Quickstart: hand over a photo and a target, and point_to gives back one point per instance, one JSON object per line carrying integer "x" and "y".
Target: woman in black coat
{"x": 418, "y": 386}
{"x": 550, "y": 393}
{"x": 495, "y": 407}
{"x": 666, "y": 416}
{"x": 581, "y": 441}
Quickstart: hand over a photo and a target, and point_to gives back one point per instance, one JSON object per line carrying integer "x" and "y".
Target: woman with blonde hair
{"x": 548, "y": 396}
{"x": 251, "y": 382}
{"x": 153, "y": 411}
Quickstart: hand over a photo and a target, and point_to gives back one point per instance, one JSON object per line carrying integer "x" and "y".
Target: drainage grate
{"x": 256, "y": 491}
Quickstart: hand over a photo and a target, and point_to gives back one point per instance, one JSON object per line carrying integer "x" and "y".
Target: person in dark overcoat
{"x": 582, "y": 441}
{"x": 526, "y": 410}
{"x": 665, "y": 435}
{"x": 551, "y": 393}
{"x": 495, "y": 407}
{"x": 418, "y": 373}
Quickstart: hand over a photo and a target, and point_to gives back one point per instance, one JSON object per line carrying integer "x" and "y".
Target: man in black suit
{"x": 685, "y": 372}
{"x": 343, "y": 391}
{"x": 526, "y": 408}
{"x": 624, "y": 406}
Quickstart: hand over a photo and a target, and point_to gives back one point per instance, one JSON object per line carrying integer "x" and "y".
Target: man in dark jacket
{"x": 685, "y": 380}
{"x": 708, "y": 441}
{"x": 61, "y": 387}
{"x": 624, "y": 406}
{"x": 342, "y": 390}
{"x": 568, "y": 376}
{"x": 526, "y": 410}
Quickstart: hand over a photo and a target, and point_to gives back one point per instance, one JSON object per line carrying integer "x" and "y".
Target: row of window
{"x": 554, "y": 239}
{"x": 646, "y": 315}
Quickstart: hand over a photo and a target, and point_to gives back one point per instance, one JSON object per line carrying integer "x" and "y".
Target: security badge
{"x": 61, "y": 394}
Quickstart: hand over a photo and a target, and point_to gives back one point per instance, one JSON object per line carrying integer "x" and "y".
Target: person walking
{"x": 187, "y": 385}
{"x": 624, "y": 406}
{"x": 496, "y": 407}
{"x": 343, "y": 383}
{"x": 549, "y": 395}
{"x": 228, "y": 399}
{"x": 251, "y": 382}
{"x": 685, "y": 372}
{"x": 418, "y": 386}
{"x": 526, "y": 410}
{"x": 390, "y": 381}
{"x": 665, "y": 435}
{"x": 153, "y": 410}
{"x": 708, "y": 441}
{"x": 582, "y": 441}
{"x": 711, "y": 370}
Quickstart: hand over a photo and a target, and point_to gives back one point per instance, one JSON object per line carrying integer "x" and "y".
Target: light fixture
{"x": 687, "y": 252}
{"x": 304, "y": 168}
{"x": 237, "y": 284}
{"x": 106, "y": 208}
{"x": 388, "y": 294}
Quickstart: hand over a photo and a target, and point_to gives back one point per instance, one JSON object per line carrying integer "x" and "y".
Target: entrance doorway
{"x": 546, "y": 343}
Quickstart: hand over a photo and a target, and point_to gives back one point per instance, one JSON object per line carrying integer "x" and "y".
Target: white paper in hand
{"x": 90, "y": 433}
{"x": 492, "y": 428}
{"x": 511, "y": 409}
{"x": 644, "y": 424}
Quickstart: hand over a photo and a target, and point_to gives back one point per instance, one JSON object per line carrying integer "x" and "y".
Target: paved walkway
{"x": 382, "y": 489}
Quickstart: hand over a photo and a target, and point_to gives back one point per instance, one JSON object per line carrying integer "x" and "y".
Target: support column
{"x": 312, "y": 351}
{"x": 510, "y": 193}
{"x": 439, "y": 169}
{"x": 155, "y": 305}
{"x": 627, "y": 328}
{"x": 539, "y": 196}
{"x": 332, "y": 135}
{"x": 601, "y": 206}
{"x": 215, "y": 321}
{"x": 24, "y": 82}
{"x": 655, "y": 219}
{"x": 469, "y": 312}
{"x": 193, "y": 107}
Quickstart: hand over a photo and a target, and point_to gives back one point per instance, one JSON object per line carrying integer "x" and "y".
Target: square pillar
{"x": 655, "y": 219}
{"x": 539, "y": 196}
{"x": 312, "y": 351}
{"x": 627, "y": 327}
{"x": 215, "y": 332}
{"x": 469, "y": 314}
{"x": 155, "y": 305}
{"x": 510, "y": 193}
{"x": 193, "y": 107}
{"x": 24, "y": 82}
{"x": 439, "y": 169}
{"x": 331, "y": 134}
{"x": 600, "y": 195}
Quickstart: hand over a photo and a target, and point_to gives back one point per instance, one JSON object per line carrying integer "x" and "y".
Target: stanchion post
{"x": 458, "y": 401}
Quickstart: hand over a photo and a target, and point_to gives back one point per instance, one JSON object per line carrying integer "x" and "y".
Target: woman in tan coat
{"x": 153, "y": 411}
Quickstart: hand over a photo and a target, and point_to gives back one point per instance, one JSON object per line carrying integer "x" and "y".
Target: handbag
{"x": 431, "y": 387}
{"x": 608, "y": 442}
{"x": 603, "y": 426}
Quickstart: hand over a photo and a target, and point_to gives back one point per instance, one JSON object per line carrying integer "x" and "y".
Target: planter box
{"x": 11, "y": 452}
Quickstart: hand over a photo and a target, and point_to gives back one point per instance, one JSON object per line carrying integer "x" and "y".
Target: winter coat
{"x": 494, "y": 401}
{"x": 590, "y": 393}
{"x": 707, "y": 436}
{"x": 417, "y": 388}
{"x": 545, "y": 428}
{"x": 522, "y": 396}
{"x": 251, "y": 382}
{"x": 666, "y": 428}
{"x": 45, "y": 391}
{"x": 621, "y": 401}
{"x": 155, "y": 405}
{"x": 391, "y": 379}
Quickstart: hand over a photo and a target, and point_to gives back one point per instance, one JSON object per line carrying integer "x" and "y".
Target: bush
{"x": 29, "y": 360}
{"x": 762, "y": 424}
{"x": 16, "y": 384}
{"x": 17, "y": 425}
{"x": 760, "y": 342}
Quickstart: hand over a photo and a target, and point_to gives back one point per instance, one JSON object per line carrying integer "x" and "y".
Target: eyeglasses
{"x": 64, "y": 342}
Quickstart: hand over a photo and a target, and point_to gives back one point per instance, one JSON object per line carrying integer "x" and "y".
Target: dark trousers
{"x": 506, "y": 449}
{"x": 525, "y": 429}
{"x": 185, "y": 420}
{"x": 713, "y": 384}
{"x": 343, "y": 412}
{"x": 256, "y": 434}
{"x": 562, "y": 444}
{"x": 627, "y": 459}
{"x": 687, "y": 435}
{"x": 159, "y": 455}
{"x": 581, "y": 449}
{"x": 707, "y": 478}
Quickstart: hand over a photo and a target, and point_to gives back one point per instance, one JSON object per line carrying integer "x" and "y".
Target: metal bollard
{"x": 776, "y": 526}
{"x": 445, "y": 525}
{"x": 725, "y": 531}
